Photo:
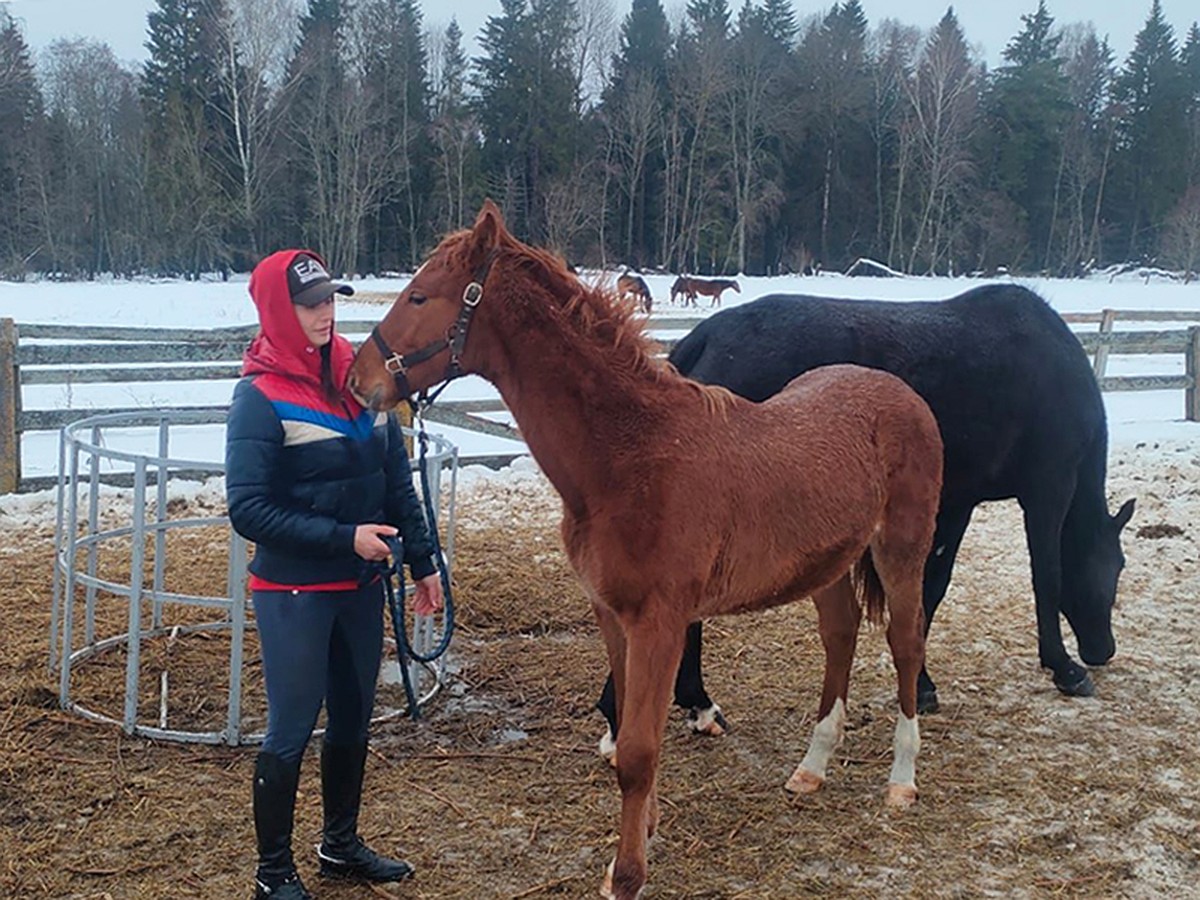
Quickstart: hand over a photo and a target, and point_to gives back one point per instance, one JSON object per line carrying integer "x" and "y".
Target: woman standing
{"x": 316, "y": 482}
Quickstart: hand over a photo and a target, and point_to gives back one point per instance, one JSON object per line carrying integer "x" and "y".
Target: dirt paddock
{"x": 499, "y": 793}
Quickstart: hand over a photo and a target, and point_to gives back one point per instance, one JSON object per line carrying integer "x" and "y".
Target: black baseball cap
{"x": 309, "y": 283}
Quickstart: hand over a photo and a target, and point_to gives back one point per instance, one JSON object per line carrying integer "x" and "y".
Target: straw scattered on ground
{"x": 499, "y": 792}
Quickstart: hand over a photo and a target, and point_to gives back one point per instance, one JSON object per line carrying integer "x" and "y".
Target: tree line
{"x": 750, "y": 141}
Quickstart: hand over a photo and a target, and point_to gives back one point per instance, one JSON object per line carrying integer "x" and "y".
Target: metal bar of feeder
{"x": 72, "y": 524}
{"x": 56, "y": 580}
{"x": 160, "y": 534}
{"x": 237, "y": 618}
{"x": 89, "y": 605}
{"x": 137, "y": 573}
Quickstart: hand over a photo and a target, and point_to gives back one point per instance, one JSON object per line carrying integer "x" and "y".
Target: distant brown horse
{"x": 681, "y": 501}
{"x": 709, "y": 287}
{"x": 636, "y": 287}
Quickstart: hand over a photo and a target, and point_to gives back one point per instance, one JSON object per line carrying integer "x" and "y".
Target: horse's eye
{"x": 417, "y": 299}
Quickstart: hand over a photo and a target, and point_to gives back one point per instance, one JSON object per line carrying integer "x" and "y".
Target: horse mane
{"x": 598, "y": 312}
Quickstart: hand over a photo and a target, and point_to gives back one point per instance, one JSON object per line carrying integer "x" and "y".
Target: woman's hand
{"x": 428, "y": 597}
{"x": 368, "y": 541}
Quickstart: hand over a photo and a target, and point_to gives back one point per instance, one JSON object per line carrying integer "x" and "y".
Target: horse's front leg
{"x": 654, "y": 645}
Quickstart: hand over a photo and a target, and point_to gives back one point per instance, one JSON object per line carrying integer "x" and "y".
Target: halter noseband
{"x": 455, "y": 339}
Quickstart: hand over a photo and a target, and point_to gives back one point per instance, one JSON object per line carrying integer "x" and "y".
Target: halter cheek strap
{"x": 455, "y": 339}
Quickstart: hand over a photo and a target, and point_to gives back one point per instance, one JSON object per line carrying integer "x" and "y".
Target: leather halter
{"x": 455, "y": 339}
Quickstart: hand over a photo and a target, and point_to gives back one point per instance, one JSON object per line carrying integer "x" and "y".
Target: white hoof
{"x": 608, "y": 747}
{"x": 709, "y": 721}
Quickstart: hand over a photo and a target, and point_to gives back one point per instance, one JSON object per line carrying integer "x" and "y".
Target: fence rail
{"x": 92, "y": 354}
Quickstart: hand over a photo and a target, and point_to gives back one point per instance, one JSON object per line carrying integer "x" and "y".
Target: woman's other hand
{"x": 428, "y": 596}
{"x": 368, "y": 541}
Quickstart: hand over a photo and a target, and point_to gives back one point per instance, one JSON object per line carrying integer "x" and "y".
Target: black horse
{"x": 1021, "y": 416}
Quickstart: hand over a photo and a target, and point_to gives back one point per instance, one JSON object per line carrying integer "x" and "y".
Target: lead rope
{"x": 404, "y": 649}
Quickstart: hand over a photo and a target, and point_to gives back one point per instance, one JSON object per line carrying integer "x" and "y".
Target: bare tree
{"x": 758, "y": 112}
{"x": 942, "y": 98}
{"x": 593, "y": 46}
{"x": 572, "y": 209}
{"x": 632, "y": 124}
{"x": 1181, "y": 238}
{"x": 255, "y": 39}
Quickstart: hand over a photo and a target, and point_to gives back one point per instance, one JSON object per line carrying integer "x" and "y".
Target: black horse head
{"x": 1092, "y": 564}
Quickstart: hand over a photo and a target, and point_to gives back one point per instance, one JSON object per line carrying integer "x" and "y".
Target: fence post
{"x": 10, "y": 405}
{"x": 1191, "y": 397}
{"x": 1100, "y": 361}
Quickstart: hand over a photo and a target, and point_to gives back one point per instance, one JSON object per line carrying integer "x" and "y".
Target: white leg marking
{"x": 827, "y": 734}
{"x": 608, "y": 747}
{"x": 706, "y": 721}
{"x": 902, "y": 784}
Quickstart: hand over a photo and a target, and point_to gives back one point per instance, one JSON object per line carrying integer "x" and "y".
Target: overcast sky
{"x": 988, "y": 24}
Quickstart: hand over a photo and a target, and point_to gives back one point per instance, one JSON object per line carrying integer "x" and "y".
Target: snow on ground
{"x": 1134, "y": 418}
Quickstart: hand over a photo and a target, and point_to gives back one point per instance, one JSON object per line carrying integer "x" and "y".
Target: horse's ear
{"x": 1124, "y": 514}
{"x": 489, "y": 225}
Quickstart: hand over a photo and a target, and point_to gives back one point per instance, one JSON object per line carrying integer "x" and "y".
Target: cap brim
{"x": 319, "y": 293}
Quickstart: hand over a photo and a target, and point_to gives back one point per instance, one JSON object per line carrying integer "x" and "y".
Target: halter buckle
{"x": 395, "y": 365}
{"x": 472, "y": 294}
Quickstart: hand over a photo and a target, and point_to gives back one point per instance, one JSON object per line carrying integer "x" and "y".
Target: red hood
{"x": 280, "y": 345}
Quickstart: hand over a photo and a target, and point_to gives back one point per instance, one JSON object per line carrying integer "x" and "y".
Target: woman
{"x": 317, "y": 482}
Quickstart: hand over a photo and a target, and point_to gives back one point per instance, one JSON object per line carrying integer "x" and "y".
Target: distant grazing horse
{"x": 636, "y": 287}
{"x": 709, "y": 287}
{"x": 1020, "y": 414}
{"x": 682, "y": 501}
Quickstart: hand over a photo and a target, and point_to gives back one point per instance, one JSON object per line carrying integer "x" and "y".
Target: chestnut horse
{"x": 709, "y": 287}
{"x": 683, "y": 501}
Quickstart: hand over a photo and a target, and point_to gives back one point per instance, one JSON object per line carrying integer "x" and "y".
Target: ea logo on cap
{"x": 308, "y": 269}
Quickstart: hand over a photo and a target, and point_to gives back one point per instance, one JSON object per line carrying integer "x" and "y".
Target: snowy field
{"x": 1134, "y": 417}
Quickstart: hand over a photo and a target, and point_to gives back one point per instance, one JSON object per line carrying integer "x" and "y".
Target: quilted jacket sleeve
{"x": 403, "y": 508}
{"x": 253, "y": 450}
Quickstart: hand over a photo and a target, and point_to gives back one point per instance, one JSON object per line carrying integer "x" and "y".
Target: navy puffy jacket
{"x": 300, "y": 499}
{"x": 302, "y": 471}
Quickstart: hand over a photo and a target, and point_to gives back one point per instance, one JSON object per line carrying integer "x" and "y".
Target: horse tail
{"x": 868, "y": 588}
{"x": 685, "y": 354}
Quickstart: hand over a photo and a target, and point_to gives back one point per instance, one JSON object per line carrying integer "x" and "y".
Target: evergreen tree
{"x": 454, "y": 130}
{"x": 1189, "y": 58}
{"x": 633, "y": 108}
{"x": 528, "y": 106}
{"x": 1151, "y": 136}
{"x": 836, "y": 82}
{"x": 190, "y": 180}
{"x": 1026, "y": 110}
{"x": 323, "y": 123}
{"x": 396, "y": 84}
{"x": 21, "y": 129}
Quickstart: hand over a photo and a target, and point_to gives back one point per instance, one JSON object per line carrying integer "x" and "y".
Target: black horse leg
{"x": 951, "y": 525}
{"x": 1045, "y": 514}
{"x": 704, "y": 715}
{"x": 689, "y": 689}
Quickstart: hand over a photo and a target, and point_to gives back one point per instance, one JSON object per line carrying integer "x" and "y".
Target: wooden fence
{"x": 85, "y": 354}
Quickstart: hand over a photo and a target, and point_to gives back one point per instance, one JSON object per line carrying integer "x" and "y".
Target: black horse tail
{"x": 868, "y": 588}
{"x": 685, "y": 354}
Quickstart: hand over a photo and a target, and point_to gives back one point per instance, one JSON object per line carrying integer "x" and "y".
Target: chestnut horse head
{"x": 424, "y": 338}
{"x": 682, "y": 501}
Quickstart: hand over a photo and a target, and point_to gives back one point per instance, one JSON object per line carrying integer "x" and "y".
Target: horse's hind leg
{"x": 838, "y": 616}
{"x": 704, "y": 715}
{"x": 951, "y": 525}
{"x": 652, "y": 658}
{"x": 899, "y": 564}
{"x": 610, "y": 703}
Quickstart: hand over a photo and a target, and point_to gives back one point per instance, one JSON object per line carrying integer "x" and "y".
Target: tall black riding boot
{"x": 342, "y": 852}
{"x": 274, "y": 808}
